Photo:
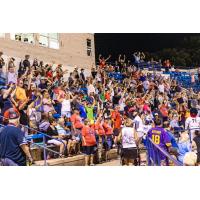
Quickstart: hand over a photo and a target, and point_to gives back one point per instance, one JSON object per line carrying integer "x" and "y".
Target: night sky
{"x": 128, "y": 43}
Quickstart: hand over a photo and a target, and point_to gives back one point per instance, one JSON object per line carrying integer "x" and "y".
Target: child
{"x": 183, "y": 146}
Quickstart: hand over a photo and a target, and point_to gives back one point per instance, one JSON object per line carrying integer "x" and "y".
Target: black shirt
{"x": 116, "y": 99}
{"x": 51, "y": 132}
{"x": 42, "y": 86}
{"x": 94, "y": 73}
{"x": 26, "y": 63}
{"x": 11, "y": 138}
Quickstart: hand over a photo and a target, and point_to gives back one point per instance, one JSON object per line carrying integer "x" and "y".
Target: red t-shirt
{"x": 76, "y": 120}
{"x": 49, "y": 74}
{"x": 108, "y": 129}
{"x": 89, "y": 135}
{"x": 107, "y": 96}
{"x": 99, "y": 128}
{"x": 102, "y": 63}
{"x": 164, "y": 110}
{"x": 115, "y": 115}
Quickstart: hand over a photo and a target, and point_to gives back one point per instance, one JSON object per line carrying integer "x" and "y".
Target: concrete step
{"x": 79, "y": 160}
{"x": 73, "y": 161}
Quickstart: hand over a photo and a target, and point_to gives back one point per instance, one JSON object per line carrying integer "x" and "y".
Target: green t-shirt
{"x": 90, "y": 112}
{"x": 102, "y": 97}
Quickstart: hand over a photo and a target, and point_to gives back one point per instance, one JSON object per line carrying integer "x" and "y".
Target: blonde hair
{"x": 60, "y": 121}
{"x": 129, "y": 123}
{"x": 190, "y": 159}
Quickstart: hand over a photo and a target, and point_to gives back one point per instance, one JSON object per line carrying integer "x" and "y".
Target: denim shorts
{"x": 89, "y": 150}
{"x": 108, "y": 142}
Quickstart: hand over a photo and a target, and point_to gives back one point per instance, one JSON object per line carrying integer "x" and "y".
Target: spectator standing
{"x": 14, "y": 148}
{"x": 102, "y": 61}
{"x": 89, "y": 142}
{"x": 82, "y": 75}
{"x": 160, "y": 137}
{"x": 12, "y": 75}
{"x": 129, "y": 139}
{"x": 26, "y": 62}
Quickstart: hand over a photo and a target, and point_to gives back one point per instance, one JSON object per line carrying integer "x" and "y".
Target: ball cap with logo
{"x": 12, "y": 114}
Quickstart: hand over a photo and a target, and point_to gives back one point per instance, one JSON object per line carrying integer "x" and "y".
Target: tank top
{"x": 128, "y": 140}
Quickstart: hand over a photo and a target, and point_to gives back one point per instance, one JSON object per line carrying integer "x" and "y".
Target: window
{"x": 2, "y": 35}
{"x": 23, "y": 37}
{"x": 50, "y": 40}
{"x": 89, "y": 47}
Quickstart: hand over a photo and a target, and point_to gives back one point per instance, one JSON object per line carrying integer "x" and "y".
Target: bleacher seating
{"x": 184, "y": 80}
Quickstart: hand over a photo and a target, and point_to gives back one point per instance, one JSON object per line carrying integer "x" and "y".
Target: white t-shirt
{"x": 66, "y": 106}
{"x": 61, "y": 130}
{"x": 128, "y": 140}
{"x": 121, "y": 105}
{"x": 138, "y": 124}
{"x": 146, "y": 84}
{"x": 90, "y": 89}
{"x": 12, "y": 77}
{"x": 54, "y": 66}
{"x": 98, "y": 77}
{"x": 192, "y": 123}
{"x": 161, "y": 88}
{"x": 146, "y": 128}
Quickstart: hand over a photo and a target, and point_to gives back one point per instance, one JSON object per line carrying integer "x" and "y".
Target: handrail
{"x": 43, "y": 135}
{"x": 154, "y": 153}
{"x": 38, "y": 131}
{"x": 42, "y": 146}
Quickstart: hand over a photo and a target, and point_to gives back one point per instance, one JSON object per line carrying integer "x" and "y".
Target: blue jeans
{"x": 8, "y": 162}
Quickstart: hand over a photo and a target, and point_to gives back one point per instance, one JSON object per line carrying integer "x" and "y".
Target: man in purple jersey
{"x": 159, "y": 136}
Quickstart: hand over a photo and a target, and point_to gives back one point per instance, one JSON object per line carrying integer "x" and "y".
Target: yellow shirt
{"x": 20, "y": 94}
{"x": 187, "y": 114}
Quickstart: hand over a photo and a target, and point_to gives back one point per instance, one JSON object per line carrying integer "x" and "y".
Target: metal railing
{"x": 39, "y": 135}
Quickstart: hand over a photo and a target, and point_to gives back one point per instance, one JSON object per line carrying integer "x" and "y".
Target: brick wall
{"x": 72, "y": 51}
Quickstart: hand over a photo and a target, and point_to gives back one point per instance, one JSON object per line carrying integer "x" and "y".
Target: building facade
{"x": 69, "y": 49}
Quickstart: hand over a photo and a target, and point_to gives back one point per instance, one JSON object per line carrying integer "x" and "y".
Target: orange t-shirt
{"x": 107, "y": 96}
{"x": 99, "y": 128}
{"x": 164, "y": 110}
{"x": 76, "y": 120}
{"x": 89, "y": 135}
{"x": 116, "y": 118}
{"x": 108, "y": 129}
{"x": 102, "y": 63}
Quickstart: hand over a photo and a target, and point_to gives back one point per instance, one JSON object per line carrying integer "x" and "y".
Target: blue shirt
{"x": 173, "y": 140}
{"x": 183, "y": 148}
{"x": 83, "y": 113}
{"x": 11, "y": 138}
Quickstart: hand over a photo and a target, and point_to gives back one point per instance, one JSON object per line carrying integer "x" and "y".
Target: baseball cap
{"x": 56, "y": 116}
{"x": 12, "y": 114}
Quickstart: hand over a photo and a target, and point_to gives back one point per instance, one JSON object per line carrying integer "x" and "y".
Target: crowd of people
{"x": 92, "y": 114}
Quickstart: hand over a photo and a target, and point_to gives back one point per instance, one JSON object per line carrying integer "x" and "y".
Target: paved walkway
{"x": 111, "y": 163}
{"x": 116, "y": 162}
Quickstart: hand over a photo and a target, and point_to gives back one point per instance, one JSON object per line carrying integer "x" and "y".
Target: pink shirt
{"x": 146, "y": 108}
